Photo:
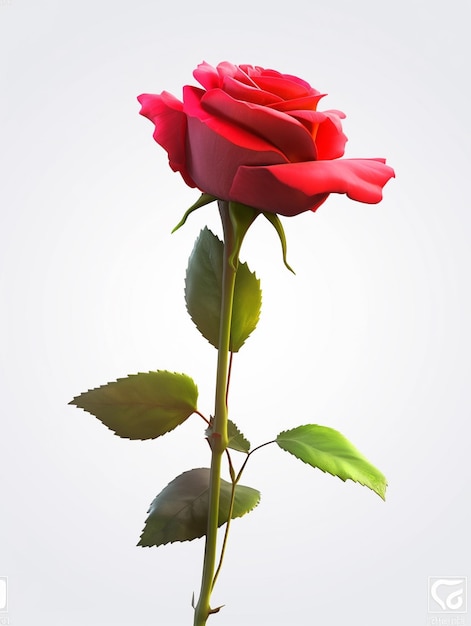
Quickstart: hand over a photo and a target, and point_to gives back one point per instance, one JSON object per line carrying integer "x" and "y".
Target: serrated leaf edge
{"x": 244, "y": 438}
{"x": 252, "y": 272}
{"x": 117, "y": 380}
{"x": 140, "y": 545}
{"x": 381, "y": 491}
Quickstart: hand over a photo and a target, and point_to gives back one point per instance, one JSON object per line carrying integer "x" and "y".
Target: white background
{"x": 372, "y": 335}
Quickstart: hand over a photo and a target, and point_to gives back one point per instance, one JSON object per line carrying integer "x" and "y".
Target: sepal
{"x": 204, "y": 199}
{"x": 278, "y": 226}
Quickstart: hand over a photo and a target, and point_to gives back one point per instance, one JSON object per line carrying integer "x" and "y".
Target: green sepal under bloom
{"x": 331, "y": 452}
{"x": 242, "y": 217}
{"x": 180, "y": 511}
{"x": 142, "y": 406}
{"x": 204, "y": 199}
{"x": 278, "y": 226}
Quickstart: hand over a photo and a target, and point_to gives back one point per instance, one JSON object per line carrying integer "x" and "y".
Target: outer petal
{"x": 166, "y": 112}
{"x": 283, "y": 131}
{"x": 297, "y": 187}
{"x": 217, "y": 148}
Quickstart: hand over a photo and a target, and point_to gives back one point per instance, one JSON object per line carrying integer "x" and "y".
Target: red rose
{"x": 254, "y": 136}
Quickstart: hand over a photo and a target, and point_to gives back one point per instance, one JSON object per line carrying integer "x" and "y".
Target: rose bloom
{"x": 254, "y": 136}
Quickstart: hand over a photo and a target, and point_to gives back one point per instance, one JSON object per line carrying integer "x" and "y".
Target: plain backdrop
{"x": 371, "y": 336}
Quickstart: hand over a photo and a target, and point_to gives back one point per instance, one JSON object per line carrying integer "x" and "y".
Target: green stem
{"x": 218, "y": 437}
{"x": 226, "y": 533}
{"x": 235, "y": 479}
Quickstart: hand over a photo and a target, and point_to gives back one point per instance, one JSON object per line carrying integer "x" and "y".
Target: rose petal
{"x": 306, "y": 102}
{"x": 249, "y": 93}
{"x": 301, "y": 82}
{"x": 286, "y": 133}
{"x": 330, "y": 139}
{"x": 229, "y": 145}
{"x": 238, "y": 72}
{"x": 268, "y": 73}
{"x": 166, "y": 112}
{"x": 283, "y": 87}
{"x": 207, "y": 76}
{"x": 232, "y": 133}
{"x": 309, "y": 119}
{"x": 297, "y": 187}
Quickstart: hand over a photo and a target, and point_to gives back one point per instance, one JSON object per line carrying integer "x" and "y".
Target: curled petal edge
{"x": 166, "y": 113}
{"x": 293, "y": 188}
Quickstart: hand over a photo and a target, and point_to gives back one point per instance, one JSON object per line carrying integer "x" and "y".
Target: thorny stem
{"x": 236, "y": 220}
{"x": 235, "y": 480}
{"x": 218, "y": 437}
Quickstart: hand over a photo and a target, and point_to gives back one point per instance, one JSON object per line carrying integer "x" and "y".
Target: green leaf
{"x": 144, "y": 405}
{"x": 180, "y": 511}
{"x": 203, "y": 285}
{"x": 203, "y": 293}
{"x": 246, "y": 307}
{"x": 328, "y": 450}
{"x": 204, "y": 199}
{"x": 237, "y": 441}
